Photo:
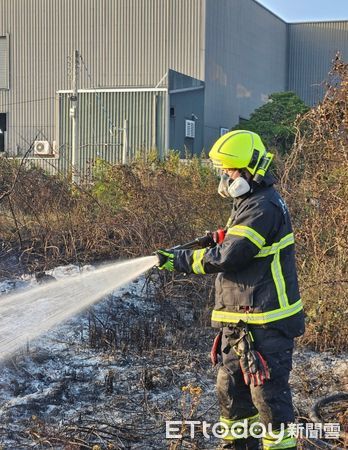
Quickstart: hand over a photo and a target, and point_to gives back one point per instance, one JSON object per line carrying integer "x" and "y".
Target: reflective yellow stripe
{"x": 276, "y": 267}
{"x": 279, "y": 281}
{"x": 285, "y": 310}
{"x": 230, "y": 422}
{"x": 229, "y": 222}
{"x": 287, "y": 442}
{"x": 197, "y": 266}
{"x": 250, "y": 233}
{"x": 257, "y": 318}
{"x": 277, "y": 246}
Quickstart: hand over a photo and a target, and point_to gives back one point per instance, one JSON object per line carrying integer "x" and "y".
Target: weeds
{"x": 315, "y": 184}
{"x": 130, "y": 211}
{"x": 127, "y": 211}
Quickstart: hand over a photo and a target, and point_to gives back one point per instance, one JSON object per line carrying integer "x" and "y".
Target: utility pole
{"x": 74, "y": 117}
{"x": 125, "y": 142}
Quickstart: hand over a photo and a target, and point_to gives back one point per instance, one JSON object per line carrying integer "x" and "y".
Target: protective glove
{"x": 206, "y": 241}
{"x": 216, "y": 349}
{"x": 165, "y": 260}
{"x": 254, "y": 368}
{"x": 212, "y": 238}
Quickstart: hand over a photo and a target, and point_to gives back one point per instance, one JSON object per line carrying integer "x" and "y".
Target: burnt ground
{"x": 112, "y": 376}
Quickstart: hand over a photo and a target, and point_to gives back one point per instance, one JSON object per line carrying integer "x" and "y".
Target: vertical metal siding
{"x": 4, "y": 62}
{"x": 312, "y": 46}
{"x": 236, "y": 46}
{"x": 245, "y": 61}
{"x": 103, "y": 112}
{"x": 49, "y": 165}
{"x": 123, "y": 43}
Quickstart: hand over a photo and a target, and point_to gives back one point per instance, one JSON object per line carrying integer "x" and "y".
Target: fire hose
{"x": 315, "y": 416}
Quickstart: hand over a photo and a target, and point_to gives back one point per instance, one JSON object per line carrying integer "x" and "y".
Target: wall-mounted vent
{"x": 190, "y": 129}
{"x": 223, "y": 131}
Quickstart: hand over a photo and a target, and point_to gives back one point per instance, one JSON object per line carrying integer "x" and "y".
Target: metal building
{"x": 312, "y": 47}
{"x": 226, "y": 57}
{"x": 119, "y": 125}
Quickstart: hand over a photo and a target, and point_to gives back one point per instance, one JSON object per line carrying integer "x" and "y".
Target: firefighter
{"x": 258, "y": 308}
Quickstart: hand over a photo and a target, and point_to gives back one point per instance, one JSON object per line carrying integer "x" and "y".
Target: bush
{"x": 315, "y": 183}
{"x": 127, "y": 211}
{"x": 130, "y": 211}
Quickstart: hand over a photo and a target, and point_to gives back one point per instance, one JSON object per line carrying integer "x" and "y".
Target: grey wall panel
{"x": 122, "y": 42}
{"x": 187, "y": 105}
{"x": 186, "y": 102}
{"x": 4, "y": 62}
{"x": 312, "y": 47}
{"x": 236, "y": 46}
{"x": 246, "y": 60}
{"x": 49, "y": 165}
{"x": 101, "y": 121}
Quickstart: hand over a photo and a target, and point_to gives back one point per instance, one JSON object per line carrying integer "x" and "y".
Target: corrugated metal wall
{"x": 4, "y": 62}
{"x": 246, "y": 59}
{"x": 49, "y": 165}
{"x": 123, "y": 42}
{"x": 237, "y": 47}
{"x": 312, "y": 46}
{"x": 101, "y": 122}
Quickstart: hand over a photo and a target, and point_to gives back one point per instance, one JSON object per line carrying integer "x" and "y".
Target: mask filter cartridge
{"x": 239, "y": 187}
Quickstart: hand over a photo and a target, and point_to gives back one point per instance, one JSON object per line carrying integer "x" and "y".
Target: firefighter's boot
{"x": 240, "y": 444}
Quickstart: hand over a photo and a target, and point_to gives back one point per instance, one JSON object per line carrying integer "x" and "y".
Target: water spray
{"x": 27, "y": 314}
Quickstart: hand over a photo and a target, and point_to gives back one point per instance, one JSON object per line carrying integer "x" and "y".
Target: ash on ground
{"x": 115, "y": 374}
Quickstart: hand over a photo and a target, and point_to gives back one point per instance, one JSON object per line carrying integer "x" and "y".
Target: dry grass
{"x": 315, "y": 184}
{"x": 132, "y": 210}
{"x": 128, "y": 211}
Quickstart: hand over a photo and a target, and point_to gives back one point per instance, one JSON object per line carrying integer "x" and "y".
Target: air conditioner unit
{"x": 42, "y": 148}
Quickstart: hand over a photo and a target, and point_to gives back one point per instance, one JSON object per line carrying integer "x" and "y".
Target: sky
{"x": 308, "y": 10}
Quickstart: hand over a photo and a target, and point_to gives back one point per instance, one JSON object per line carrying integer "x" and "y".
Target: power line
{"x": 111, "y": 123}
{"x": 28, "y": 101}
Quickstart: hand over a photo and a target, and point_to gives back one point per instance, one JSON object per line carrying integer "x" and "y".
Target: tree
{"x": 274, "y": 121}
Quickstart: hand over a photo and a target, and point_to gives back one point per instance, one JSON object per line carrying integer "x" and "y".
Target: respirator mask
{"x": 239, "y": 187}
{"x": 224, "y": 185}
{"x": 233, "y": 188}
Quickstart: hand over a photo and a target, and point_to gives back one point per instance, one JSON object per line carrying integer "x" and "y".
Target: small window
{"x": 4, "y": 62}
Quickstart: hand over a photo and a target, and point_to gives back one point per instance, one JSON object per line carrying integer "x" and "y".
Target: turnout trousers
{"x": 270, "y": 403}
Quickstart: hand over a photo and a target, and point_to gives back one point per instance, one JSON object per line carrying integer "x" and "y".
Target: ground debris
{"x": 112, "y": 376}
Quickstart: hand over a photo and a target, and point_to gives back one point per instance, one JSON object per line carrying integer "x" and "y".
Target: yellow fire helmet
{"x": 241, "y": 149}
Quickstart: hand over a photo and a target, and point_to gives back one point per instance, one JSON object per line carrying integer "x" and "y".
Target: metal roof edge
{"x": 271, "y": 12}
{"x": 318, "y": 21}
{"x": 300, "y": 22}
{"x": 99, "y": 90}
{"x": 189, "y": 89}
